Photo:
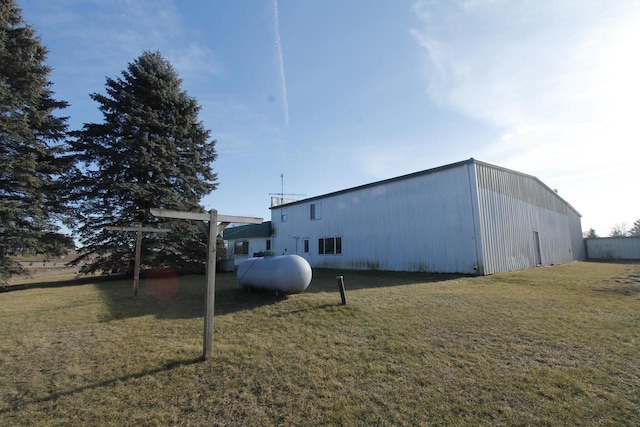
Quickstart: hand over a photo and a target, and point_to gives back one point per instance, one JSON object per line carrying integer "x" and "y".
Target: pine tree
{"x": 635, "y": 229}
{"x": 31, "y": 142}
{"x": 591, "y": 234}
{"x": 151, "y": 151}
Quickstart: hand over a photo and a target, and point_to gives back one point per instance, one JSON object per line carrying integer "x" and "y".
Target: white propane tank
{"x": 285, "y": 273}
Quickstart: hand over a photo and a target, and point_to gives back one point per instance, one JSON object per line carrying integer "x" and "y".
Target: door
{"x": 536, "y": 242}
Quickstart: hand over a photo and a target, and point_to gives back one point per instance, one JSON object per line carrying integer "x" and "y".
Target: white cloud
{"x": 558, "y": 82}
{"x": 194, "y": 60}
{"x": 101, "y": 37}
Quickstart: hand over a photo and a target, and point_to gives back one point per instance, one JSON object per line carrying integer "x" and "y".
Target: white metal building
{"x": 613, "y": 248}
{"x": 467, "y": 217}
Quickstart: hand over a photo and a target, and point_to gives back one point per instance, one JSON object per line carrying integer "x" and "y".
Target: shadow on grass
{"x": 179, "y": 297}
{"x": 324, "y": 280}
{"x": 166, "y": 295}
{"x": 84, "y": 280}
{"x": 106, "y": 383}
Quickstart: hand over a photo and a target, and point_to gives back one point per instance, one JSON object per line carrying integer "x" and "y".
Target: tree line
{"x": 620, "y": 229}
{"x": 149, "y": 150}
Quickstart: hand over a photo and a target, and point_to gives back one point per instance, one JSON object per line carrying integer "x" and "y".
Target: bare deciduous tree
{"x": 619, "y": 230}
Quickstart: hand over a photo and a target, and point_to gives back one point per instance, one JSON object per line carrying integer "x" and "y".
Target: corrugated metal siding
{"x": 577, "y": 241}
{"x": 519, "y": 186}
{"x": 477, "y": 224}
{"x": 420, "y": 224}
{"x": 627, "y": 248}
{"x": 512, "y": 207}
{"x": 469, "y": 217}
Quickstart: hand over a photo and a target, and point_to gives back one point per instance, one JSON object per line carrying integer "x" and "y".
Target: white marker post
{"x": 214, "y": 229}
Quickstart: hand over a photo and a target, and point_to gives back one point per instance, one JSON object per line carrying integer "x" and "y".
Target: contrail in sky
{"x": 283, "y": 80}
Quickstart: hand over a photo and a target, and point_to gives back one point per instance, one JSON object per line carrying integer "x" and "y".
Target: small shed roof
{"x": 247, "y": 231}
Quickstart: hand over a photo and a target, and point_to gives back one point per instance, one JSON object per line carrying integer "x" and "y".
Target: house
{"x": 468, "y": 217}
{"x": 246, "y": 241}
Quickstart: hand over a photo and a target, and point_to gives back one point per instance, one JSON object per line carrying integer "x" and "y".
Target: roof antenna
{"x": 275, "y": 201}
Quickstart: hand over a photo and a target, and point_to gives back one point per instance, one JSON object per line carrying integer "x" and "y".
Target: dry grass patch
{"x": 543, "y": 346}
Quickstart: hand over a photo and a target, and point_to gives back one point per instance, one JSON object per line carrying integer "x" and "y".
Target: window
{"x": 241, "y": 247}
{"x": 268, "y": 244}
{"x": 284, "y": 215}
{"x": 330, "y": 246}
{"x": 315, "y": 211}
{"x": 306, "y": 245}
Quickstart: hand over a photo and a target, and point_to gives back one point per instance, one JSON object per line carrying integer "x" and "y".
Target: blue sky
{"x": 335, "y": 94}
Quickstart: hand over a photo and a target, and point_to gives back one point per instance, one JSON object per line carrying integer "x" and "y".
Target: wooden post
{"x": 211, "y": 284}
{"x": 138, "y": 230}
{"x": 212, "y": 234}
{"x": 136, "y": 268}
{"x": 341, "y": 288}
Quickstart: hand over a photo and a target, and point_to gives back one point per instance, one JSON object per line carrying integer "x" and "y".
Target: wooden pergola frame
{"x": 212, "y": 231}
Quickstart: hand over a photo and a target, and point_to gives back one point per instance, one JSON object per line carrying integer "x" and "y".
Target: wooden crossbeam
{"x": 199, "y": 216}
{"x": 142, "y": 229}
{"x": 167, "y": 213}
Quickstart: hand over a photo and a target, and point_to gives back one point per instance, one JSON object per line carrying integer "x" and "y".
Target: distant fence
{"x": 614, "y": 248}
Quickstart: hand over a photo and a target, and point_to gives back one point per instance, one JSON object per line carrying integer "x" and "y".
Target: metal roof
{"x": 421, "y": 173}
{"x": 247, "y": 231}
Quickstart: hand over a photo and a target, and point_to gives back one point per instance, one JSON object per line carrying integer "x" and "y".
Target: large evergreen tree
{"x": 150, "y": 151}
{"x": 31, "y": 142}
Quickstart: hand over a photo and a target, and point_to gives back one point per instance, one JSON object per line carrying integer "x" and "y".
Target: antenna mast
{"x": 281, "y": 185}
{"x": 282, "y": 193}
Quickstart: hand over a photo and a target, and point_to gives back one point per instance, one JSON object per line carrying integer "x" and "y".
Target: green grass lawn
{"x": 546, "y": 346}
